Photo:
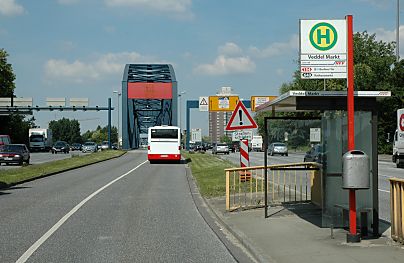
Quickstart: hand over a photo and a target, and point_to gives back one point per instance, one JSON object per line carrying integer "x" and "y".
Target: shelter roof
{"x": 301, "y": 100}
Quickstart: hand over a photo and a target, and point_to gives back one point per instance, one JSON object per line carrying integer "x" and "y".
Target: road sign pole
{"x": 109, "y": 123}
{"x": 352, "y": 236}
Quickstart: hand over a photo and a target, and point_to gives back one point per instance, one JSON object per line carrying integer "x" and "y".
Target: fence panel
{"x": 397, "y": 209}
{"x": 286, "y": 183}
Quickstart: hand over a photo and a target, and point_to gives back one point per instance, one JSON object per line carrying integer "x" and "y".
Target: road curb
{"x": 5, "y": 186}
{"x": 244, "y": 241}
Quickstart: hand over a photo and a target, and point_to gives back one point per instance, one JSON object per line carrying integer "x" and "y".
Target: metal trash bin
{"x": 356, "y": 170}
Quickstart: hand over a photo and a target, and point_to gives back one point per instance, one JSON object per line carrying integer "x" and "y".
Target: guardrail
{"x": 286, "y": 183}
{"x": 397, "y": 209}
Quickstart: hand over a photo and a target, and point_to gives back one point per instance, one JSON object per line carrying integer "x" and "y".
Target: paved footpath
{"x": 293, "y": 235}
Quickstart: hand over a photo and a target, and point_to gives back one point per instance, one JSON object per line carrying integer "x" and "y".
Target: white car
{"x": 104, "y": 145}
{"x": 89, "y": 147}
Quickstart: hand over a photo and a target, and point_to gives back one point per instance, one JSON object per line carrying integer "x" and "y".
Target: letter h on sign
{"x": 326, "y": 36}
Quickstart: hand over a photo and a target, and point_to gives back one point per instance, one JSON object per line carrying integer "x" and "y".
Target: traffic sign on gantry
{"x": 323, "y": 49}
{"x": 204, "y": 103}
{"x": 223, "y": 103}
{"x": 259, "y": 100}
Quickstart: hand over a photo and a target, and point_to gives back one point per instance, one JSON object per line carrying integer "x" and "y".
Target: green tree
{"x": 387, "y": 122}
{"x": 7, "y": 76}
{"x": 100, "y": 134}
{"x": 207, "y": 139}
{"x": 66, "y": 130}
{"x": 87, "y": 136}
{"x": 225, "y": 139}
{"x": 14, "y": 125}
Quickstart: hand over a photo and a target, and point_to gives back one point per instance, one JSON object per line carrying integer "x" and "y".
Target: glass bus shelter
{"x": 332, "y": 106}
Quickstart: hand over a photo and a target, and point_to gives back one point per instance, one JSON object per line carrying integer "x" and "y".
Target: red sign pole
{"x": 351, "y": 123}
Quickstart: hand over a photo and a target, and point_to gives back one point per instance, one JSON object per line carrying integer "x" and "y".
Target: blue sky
{"x": 78, "y": 48}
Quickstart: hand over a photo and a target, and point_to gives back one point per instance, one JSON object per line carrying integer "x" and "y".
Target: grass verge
{"x": 26, "y": 173}
{"x": 208, "y": 170}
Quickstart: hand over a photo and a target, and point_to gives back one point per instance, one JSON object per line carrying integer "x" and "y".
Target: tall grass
{"x": 208, "y": 170}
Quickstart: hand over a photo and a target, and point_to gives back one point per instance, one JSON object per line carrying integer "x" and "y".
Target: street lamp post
{"x": 398, "y": 32}
{"x": 179, "y": 109}
{"x": 119, "y": 94}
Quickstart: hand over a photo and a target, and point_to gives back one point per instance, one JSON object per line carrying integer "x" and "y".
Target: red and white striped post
{"x": 244, "y": 155}
{"x": 244, "y": 160}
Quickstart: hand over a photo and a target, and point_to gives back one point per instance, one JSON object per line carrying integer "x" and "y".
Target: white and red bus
{"x": 164, "y": 143}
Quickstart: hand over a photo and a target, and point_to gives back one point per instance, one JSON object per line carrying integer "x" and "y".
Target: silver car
{"x": 278, "y": 148}
{"x": 220, "y": 148}
{"x": 89, "y": 147}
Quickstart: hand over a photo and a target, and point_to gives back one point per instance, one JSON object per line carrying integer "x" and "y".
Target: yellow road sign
{"x": 223, "y": 103}
{"x": 259, "y": 100}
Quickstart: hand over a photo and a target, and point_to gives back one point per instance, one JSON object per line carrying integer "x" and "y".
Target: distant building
{"x": 219, "y": 120}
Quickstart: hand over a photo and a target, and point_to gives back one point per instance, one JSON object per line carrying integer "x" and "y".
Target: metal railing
{"x": 286, "y": 183}
{"x": 397, "y": 209}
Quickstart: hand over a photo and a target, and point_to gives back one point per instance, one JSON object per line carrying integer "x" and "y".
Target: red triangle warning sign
{"x": 241, "y": 119}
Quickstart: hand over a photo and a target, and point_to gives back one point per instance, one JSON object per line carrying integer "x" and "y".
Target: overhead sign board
{"x": 323, "y": 49}
{"x": 223, "y": 103}
{"x": 243, "y": 134}
{"x": 56, "y": 102}
{"x": 259, "y": 100}
{"x": 241, "y": 119}
{"x": 315, "y": 134}
{"x": 79, "y": 102}
{"x": 203, "y": 103}
{"x": 17, "y": 102}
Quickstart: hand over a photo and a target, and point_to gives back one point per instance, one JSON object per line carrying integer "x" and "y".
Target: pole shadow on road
{"x": 3, "y": 187}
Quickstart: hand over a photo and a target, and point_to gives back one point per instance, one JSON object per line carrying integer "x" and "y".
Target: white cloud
{"x": 230, "y": 49}
{"x": 67, "y": 45}
{"x": 276, "y": 49}
{"x": 379, "y": 3}
{"x": 110, "y": 29}
{"x": 280, "y": 72}
{"x": 390, "y": 36}
{"x": 80, "y": 71}
{"x": 230, "y": 60}
{"x": 173, "y": 7}
{"x": 10, "y": 7}
{"x": 227, "y": 65}
{"x": 68, "y": 2}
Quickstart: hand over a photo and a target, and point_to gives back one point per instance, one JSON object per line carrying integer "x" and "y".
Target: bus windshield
{"x": 164, "y": 134}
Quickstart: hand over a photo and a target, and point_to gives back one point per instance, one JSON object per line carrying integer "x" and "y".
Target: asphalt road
{"x": 121, "y": 210}
{"x": 387, "y": 169}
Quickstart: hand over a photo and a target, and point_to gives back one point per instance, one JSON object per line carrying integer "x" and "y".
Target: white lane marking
{"x": 40, "y": 241}
{"x": 385, "y": 191}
